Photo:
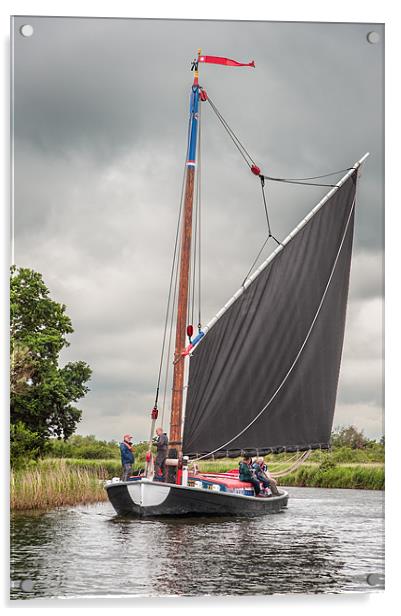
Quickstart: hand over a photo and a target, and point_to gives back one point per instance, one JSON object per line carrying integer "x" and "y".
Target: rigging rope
{"x": 293, "y": 467}
{"x": 269, "y": 233}
{"x": 252, "y": 165}
{"x": 262, "y": 181}
{"x": 174, "y": 267}
{"x": 283, "y": 462}
{"x": 224, "y": 445}
{"x": 256, "y": 259}
{"x": 240, "y": 147}
{"x": 249, "y": 160}
{"x": 199, "y": 185}
{"x": 315, "y": 177}
{"x": 169, "y": 298}
{"x": 171, "y": 328}
{"x": 283, "y": 180}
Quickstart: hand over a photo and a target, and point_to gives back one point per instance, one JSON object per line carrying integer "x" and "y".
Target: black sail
{"x": 275, "y": 353}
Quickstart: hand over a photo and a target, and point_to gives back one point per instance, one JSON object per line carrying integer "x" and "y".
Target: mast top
{"x": 196, "y": 69}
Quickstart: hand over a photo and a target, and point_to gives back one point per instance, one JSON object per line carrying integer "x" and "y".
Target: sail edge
{"x": 284, "y": 243}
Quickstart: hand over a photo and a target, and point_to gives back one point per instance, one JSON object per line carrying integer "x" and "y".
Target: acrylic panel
{"x": 156, "y": 164}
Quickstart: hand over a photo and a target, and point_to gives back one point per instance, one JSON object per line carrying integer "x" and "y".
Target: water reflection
{"x": 327, "y": 541}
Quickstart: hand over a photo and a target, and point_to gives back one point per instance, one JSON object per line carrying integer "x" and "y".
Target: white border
{"x": 368, "y": 11}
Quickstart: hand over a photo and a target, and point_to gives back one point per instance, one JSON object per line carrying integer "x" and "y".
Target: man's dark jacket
{"x": 245, "y": 473}
{"x": 127, "y": 457}
{"x": 162, "y": 445}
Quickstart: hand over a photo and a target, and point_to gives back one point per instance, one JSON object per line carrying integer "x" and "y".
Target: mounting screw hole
{"x": 373, "y": 37}
{"x": 26, "y": 30}
{"x": 373, "y": 579}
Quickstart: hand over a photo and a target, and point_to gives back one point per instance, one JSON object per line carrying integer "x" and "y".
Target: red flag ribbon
{"x": 224, "y": 61}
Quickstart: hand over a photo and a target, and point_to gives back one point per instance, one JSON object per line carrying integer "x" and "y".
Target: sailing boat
{"x": 261, "y": 377}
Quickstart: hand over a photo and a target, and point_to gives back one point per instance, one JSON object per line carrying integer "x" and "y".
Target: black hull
{"x": 145, "y": 498}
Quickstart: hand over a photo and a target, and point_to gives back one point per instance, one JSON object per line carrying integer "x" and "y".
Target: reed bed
{"x": 369, "y": 476}
{"x": 366, "y": 477}
{"x": 44, "y": 487}
{"x": 57, "y": 482}
{"x": 103, "y": 469}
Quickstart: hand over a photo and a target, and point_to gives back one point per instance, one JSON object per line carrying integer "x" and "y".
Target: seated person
{"x": 246, "y": 473}
{"x": 262, "y": 474}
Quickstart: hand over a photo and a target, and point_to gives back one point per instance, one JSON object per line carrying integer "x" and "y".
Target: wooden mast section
{"x": 186, "y": 237}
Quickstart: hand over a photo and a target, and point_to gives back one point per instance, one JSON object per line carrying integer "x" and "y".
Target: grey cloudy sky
{"x": 100, "y": 116}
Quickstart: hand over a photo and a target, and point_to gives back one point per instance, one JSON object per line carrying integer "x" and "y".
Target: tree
{"x": 41, "y": 392}
{"x": 24, "y": 444}
{"x": 87, "y": 447}
{"x": 21, "y": 368}
{"x": 348, "y": 437}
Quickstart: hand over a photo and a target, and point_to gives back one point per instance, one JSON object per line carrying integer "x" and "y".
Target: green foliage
{"x": 140, "y": 450}
{"x": 349, "y": 437}
{"x": 24, "y": 444}
{"x": 21, "y": 368}
{"x": 42, "y": 393}
{"x": 42, "y": 486}
{"x": 342, "y": 455}
{"x": 357, "y": 477}
{"x": 103, "y": 469}
{"x": 327, "y": 464}
{"x": 373, "y": 453}
{"x": 87, "y": 447}
{"x": 37, "y": 321}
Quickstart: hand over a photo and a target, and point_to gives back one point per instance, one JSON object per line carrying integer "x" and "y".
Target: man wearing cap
{"x": 127, "y": 456}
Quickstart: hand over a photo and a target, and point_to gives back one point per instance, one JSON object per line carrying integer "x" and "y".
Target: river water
{"x": 327, "y": 541}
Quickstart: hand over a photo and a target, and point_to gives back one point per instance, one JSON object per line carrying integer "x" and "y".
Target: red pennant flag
{"x": 224, "y": 61}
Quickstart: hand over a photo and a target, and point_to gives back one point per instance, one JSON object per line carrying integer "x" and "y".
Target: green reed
{"x": 342, "y": 476}
{"x": 327, "y": 474}
{"x": 56, "y": 482}
{"x": 46, "y": 486}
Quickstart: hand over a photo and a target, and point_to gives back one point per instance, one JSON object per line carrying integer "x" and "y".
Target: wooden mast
{"x": 180, "y": 338}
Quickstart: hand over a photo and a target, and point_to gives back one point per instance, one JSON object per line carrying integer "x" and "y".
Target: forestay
{"x": 265, "y": 376}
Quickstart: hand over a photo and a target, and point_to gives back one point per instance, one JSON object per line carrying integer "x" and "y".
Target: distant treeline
{"x": 348, "y": 445}
{"x": 90, "y": 448}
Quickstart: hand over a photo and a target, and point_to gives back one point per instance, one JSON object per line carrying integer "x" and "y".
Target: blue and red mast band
{"x": 191, "y": 161}
{"x": 194, "y": 119}
{"x": 196, "y": 94}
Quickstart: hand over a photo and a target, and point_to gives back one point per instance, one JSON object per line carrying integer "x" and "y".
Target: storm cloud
{"x": 100, "y": 119}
